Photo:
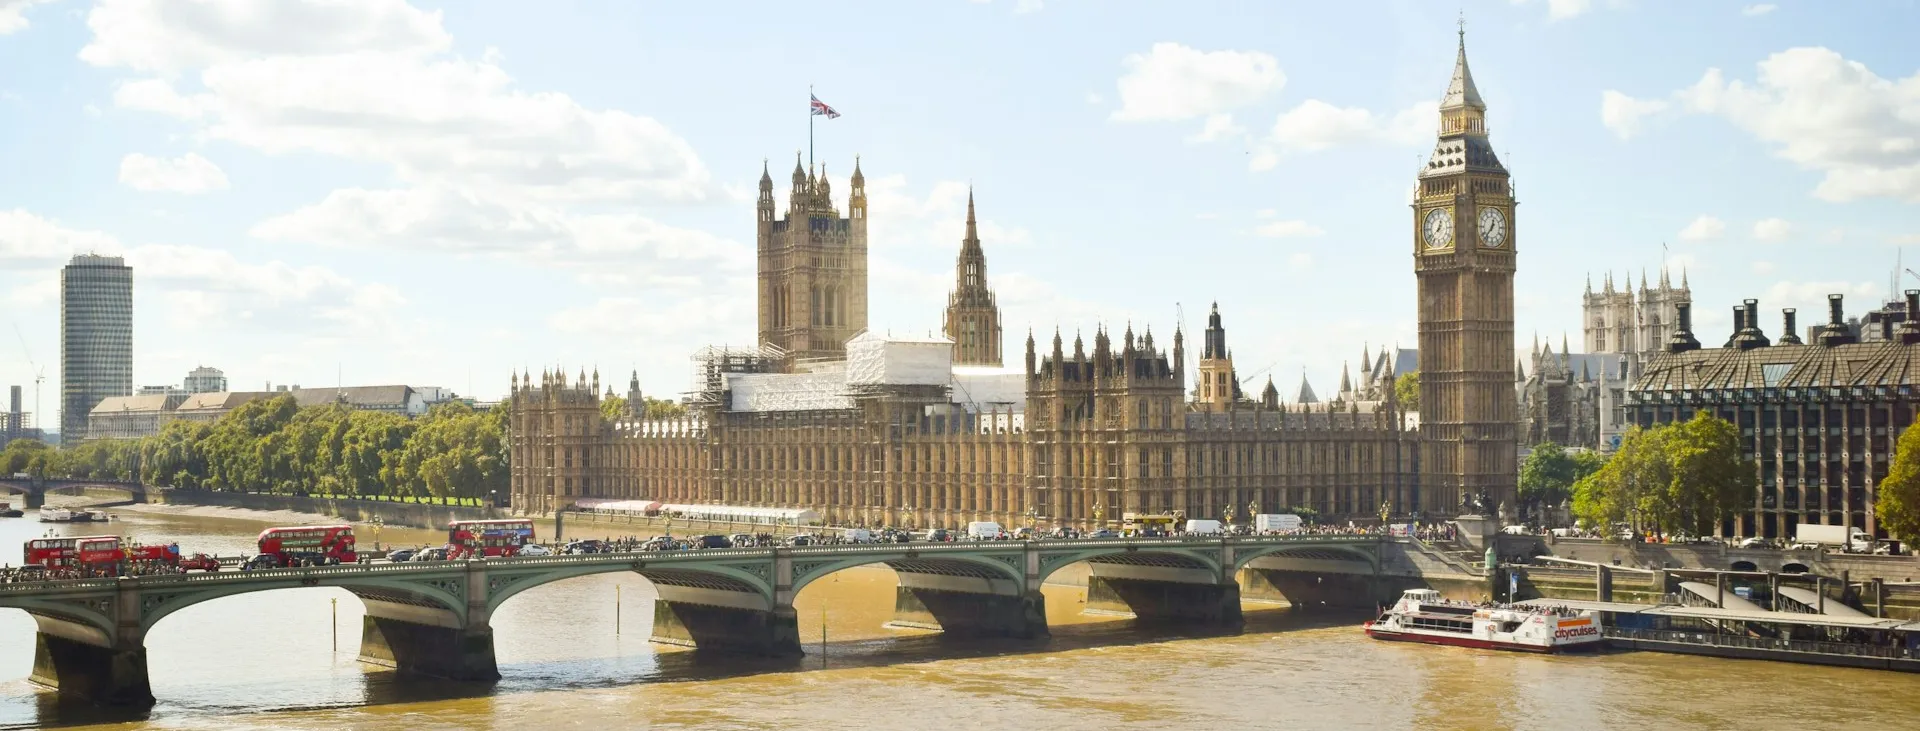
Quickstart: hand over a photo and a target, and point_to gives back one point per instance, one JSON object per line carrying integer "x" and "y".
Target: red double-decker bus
{"x": 487, "y": 538}
{"x": 308, "y": 545}
{"x": 76, "y": 555}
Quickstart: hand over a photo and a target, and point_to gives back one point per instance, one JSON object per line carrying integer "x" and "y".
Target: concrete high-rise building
{"x": 812, "y": 267}
{"x": 96, "y": 338}
{"x": 1463, "y": 258}
{"x": 205, "y": 380}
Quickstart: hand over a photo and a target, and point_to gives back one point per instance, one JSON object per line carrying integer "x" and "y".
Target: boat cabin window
{"x": 1510, "y": 626}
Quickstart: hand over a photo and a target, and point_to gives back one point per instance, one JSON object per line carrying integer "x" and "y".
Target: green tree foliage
{"x": 1683, "y": 477}
{"x": 664, "y": 409}
{"x": 275, "y": 445}
{"x": 1406, "y": 390}
{"x": 1548, "y": 475}
{"x": 611, "y": 407}
{"x": 1898, "y": 505}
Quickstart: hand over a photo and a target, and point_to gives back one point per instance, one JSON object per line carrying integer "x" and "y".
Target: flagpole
{"x": 810, "y": 116}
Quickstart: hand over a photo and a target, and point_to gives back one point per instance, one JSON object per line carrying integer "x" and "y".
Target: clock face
{"x": 1438, "y": 228}
{"x": 1493, "y": 227}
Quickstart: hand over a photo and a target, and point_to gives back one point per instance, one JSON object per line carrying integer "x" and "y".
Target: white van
{"x": 1203, "y": 527}
{"x": 983, "y": 530}
{"x": 857, "y": 535}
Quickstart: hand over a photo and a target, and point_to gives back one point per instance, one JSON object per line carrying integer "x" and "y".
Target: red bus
{"x": 76, "y": 555}
{"x": 487, "y": 538}
{"x": 307, "y": 545}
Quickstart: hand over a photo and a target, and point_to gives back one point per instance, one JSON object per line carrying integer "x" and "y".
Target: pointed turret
{"x": 1461, "y": 92}
{"x": 1270, "y": 396}
{"x": 973, "y": 313}
{"x": 1306, "y": 392}
{"x": 1346, "y": 381}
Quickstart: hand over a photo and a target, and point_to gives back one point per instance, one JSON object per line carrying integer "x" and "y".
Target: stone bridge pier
{"x": 713, "y": 613}
{"x": 414, "y": 635}
{"x": 1164, "y": 590}
{"x": 964, "y": 601}
{"x": 90, "y": 660}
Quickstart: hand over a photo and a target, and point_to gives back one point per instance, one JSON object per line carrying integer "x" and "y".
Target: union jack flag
{"x": 820, "y": 107}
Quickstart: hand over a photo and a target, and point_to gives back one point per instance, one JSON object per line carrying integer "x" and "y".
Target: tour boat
{"x": 7, "y": 510}
{"x": 56, "y": 515}
{"x": 1422, "y": 615}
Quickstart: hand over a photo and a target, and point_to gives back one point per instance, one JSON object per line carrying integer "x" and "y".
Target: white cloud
{"x": 13, "y": 14}
{"x": 29, "y": 241}
{"x": 189, "y": 173}
{"x": 195, "y": 282}
{"x": 900, "y": 218}
{"x": 1704, "y": 228}
{"x": 1266, "y": 213}
{"x": 1772, "y": 229}
{"x": 1812, "y": 296}
{"x": 1218, "y": 127}
{"x": 1757, "y": 10}
{"x": 1315, "y": 125}
{"x": 1823, "y": 112}
{"x": 1175, "y": 82}
{"x": 167, "y": 37}
{"x": 1622, "y": 113}
{"x": 1288, "y": 229}
{"x": 371, "y": 80}
{"x": 1563, "y": 9}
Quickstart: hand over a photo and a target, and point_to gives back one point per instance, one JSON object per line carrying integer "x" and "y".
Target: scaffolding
{"x": 711, "y": 365}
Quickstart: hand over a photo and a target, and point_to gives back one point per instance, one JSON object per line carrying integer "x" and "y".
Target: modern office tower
{"x": 205, "y": 380}
{"x": 96, "y": 338}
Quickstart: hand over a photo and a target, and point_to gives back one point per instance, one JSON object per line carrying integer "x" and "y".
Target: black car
{"x": 713, "y": 542}
{"x": 800, "y": 540}
{"x": 399, "y": 555}
{"x": 939, "y": 535}
{"x": 262, "y": 561}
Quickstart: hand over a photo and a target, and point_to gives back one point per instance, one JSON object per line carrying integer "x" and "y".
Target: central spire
{"x": 1460, "y": 91}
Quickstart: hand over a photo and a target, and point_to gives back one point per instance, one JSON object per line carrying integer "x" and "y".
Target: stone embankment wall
{"x": 358, "y": 511}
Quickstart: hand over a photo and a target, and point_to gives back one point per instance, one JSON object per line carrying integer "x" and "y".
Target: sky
{"x": 394, "y": 191}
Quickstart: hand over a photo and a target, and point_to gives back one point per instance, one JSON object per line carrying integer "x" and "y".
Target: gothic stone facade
{"x": 1464, "y": 240}
{"x": 1094, "y": 435}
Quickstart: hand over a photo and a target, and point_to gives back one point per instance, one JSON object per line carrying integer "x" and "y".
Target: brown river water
{"x": 268, "y": 661}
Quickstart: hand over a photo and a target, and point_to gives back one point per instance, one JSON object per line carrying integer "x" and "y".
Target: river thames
{"x": 268, "y": 660}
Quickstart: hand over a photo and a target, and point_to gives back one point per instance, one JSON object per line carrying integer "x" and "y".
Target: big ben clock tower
{"x": 1463, "y": 257}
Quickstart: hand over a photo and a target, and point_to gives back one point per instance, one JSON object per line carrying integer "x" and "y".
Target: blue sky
{"x": 440, "y": 193}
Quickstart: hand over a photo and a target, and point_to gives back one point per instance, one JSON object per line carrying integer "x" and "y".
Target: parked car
{"x": 586, "y": 546}
{"x": 400, "y": 554}
{"x": 535, "y": 549}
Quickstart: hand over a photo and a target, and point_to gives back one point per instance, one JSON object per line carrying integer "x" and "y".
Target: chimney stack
{"x": 1683, "y": 340}
{"x": 1749, "y": 336}
{"x": 1835, "y": 333}
{"x": 1910, "y": 332}
{"x": 1788, "y": 336}
{"x": 1739, "y": 325}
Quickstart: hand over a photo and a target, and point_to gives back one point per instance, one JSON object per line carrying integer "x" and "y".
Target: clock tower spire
{"x": 1463, "y": 258}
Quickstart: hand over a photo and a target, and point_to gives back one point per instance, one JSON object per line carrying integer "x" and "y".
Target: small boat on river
{"x": 1423, "y": 616}
{"x": 7, "y": 510}
{"x": 56, "y": 515}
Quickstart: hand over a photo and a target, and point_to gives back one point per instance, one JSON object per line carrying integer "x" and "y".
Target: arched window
{"x": 814, "y": 316}
{"x": 1143, "y": 417}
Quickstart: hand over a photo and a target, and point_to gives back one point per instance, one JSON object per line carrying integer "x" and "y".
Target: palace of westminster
{"x": 859, "y": 428}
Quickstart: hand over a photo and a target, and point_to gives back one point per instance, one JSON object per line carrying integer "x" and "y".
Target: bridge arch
{"x": 1333, "y": 552}
{"x": 1743, "y": 565}
{"x": 1794, "y": 567}
{"x": 157, "y": 602}
{"x": 509, "y": 578}
{"x": 1008, "y": 567}
{"x": 1207, "y": 559}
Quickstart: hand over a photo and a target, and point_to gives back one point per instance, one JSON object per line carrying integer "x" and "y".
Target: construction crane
{"x": 39, "y": 376}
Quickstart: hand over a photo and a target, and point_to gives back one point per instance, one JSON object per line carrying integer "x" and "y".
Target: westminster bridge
{"x": 432, "y": 618}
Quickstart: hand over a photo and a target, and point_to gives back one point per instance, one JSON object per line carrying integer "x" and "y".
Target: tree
{"x": 1406, "y": 389}
{"x": 611, "y": 407}
{"x": 1687, "y": 476}
{"x": 664, "y": 409}
{"x": 1548, "y": 475}
{"x": 1898, "y": 504}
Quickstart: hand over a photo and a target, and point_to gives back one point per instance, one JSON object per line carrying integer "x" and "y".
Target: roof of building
{"x": 390, "y": 396}
{"x": 1460, "y": 89}
{"x": 220, "y": 400}
{"x": 1885, "y": 363}
{"x": 129, "y": 404}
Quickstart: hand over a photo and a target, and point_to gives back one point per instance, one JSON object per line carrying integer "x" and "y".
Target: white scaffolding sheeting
{"x": 788, "y": 391}
{"x": 986, "y": 391}
{"x": 743, "y": 514}
{"x": 879, "y": 360}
